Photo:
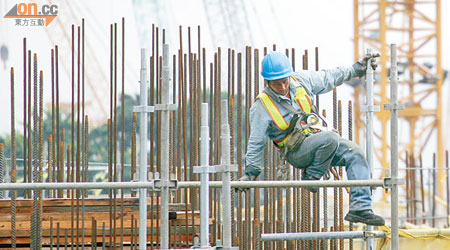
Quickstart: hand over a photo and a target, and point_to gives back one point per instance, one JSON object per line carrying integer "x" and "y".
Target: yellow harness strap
{"x": 273, "y": 110}
{"x": 303, "y": 100}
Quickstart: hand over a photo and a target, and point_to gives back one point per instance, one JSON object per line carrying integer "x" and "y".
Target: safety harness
{"x": 306, "y": 116}
{"x": 300, "y": 126}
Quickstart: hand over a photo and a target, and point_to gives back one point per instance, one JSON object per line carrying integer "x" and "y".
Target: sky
{"x": 300, "y": 24}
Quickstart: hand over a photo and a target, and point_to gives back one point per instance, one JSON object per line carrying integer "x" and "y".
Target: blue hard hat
{"x": 276, "y": 65}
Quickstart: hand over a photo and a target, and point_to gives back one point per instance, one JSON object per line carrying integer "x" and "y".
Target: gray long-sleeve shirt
{"x": 261, "y": 124}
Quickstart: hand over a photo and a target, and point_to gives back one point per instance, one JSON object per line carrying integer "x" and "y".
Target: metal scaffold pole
{"x": 370, "y": 108}
{"x": 165, "y": 149}
{"x": 394, "y": 147}
{"x": 323, "y": 235}
{"x": 386, "y": 183}
{"x": 394, "y": 107}
{"x": 204, "y": 179}
{"x": 226, "y": 178}
{"x": 143, "y": 156}
{"x": 204, "y": 170}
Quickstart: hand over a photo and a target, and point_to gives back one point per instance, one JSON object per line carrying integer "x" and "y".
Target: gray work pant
{"x": 320, "y": 151}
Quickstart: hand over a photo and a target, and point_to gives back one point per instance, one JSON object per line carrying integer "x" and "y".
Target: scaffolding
{"x": 164, "y": 184}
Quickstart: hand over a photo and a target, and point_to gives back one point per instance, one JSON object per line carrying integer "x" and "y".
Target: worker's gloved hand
{"x": 245, "y": 177}
{"x": 360, "y": 67}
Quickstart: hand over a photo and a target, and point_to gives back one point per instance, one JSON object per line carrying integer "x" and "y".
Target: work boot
{"x": 365, "y": 216}
{"x": 306, "y": 177}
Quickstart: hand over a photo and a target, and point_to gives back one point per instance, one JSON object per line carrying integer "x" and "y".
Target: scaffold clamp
{"x": 164, "y": 107}
{"x": 143, "y": 109}
{"x": 388, "y": 182}
{"x": 371, "y": 234}
{"x": 226, "y": 168}
{"x": 158, "y": 184}
{"x": 204, "y": 169}
{"x": 394, "y": 106}
{"x": 371, "y": 108}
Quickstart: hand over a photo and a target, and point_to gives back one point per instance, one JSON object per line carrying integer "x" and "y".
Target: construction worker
{"x": 285, "y": 113}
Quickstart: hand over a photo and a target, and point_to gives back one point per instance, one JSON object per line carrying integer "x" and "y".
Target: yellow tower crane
{"x": 415, "y": 26}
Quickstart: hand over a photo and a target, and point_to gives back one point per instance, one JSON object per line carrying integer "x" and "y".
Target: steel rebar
{"x": 83, "y": 170}
{"x": 110, "y": 179}
{"x": 51, "y": 146}
{"x": 114, "y": 137}
{"x": 341, "y": 194}
{"x": 122, "y": 138}
{"x": 85, "y": 156}
{"x": 25, "y": 158}
{"x": 14, "y": 155}
{"x": 133, "y": 151}
{"x": 335, "y": 190}
{"x": 34, "y": 218}
{"x": 422, "y": 188}
{"x": 40, "y": 157}
{"x": 325, "y": 205}
{"x": 61, "y": 165}
{"x": 350, "y": 137}
{"x": 60, "y": 152}
{"x": 50, "y": 163}
{"x": 233, "y": 141}
{"x": 77, "y": 155}
{"x": 30, "y": 136}
{"x": 266, "y": 197}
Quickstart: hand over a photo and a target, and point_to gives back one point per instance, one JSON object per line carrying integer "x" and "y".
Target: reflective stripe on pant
{"x": 320, "y": 151}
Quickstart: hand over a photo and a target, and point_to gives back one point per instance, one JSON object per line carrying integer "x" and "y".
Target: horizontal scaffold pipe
{"x": 323, "y": 235}
{"x": 286, "y": 184}
{"x": 190, "y": 184}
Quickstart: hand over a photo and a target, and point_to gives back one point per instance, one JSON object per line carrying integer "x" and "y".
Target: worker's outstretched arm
{"x": 323, "y": 81}
{"x": 259, "y": 123}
